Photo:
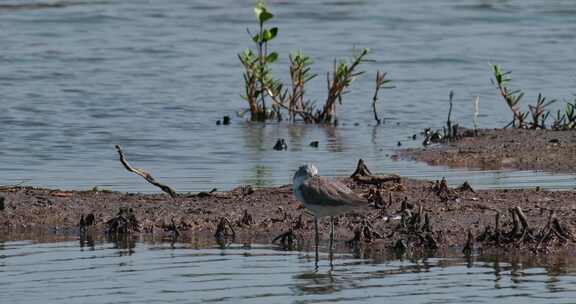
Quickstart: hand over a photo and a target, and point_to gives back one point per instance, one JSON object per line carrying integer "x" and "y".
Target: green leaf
{"x": 262, "y": 14}
{"x": 265, "y": 16}
{"x": 268, "y": 35}
{"x": 273, "y": 32}
{"x": 272, "y": 57}
{"x": 248, "y": 53}
{"x": 256, "y": 38}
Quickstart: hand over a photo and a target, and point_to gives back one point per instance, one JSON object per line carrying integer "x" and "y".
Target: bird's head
{"x": 306, "y": 171}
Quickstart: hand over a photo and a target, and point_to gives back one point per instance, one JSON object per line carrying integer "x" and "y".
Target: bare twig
{"x": 449, "y": 120}
{"x": 144, "y": 174}
{"x": 476, "y": 113}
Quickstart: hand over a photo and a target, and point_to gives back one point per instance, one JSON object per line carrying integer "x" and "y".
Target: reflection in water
{"x": 260, "y": 176}
{"x": 316, "y": 283}
{"x": 335, "y": 142}
{"x": 200, "y": 271}
{"x": 125, "y": 242}
{"x": 87, "y": 240}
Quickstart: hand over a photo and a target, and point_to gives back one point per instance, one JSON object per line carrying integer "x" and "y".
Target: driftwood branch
{"x": 363, "y": 175}
{"x": 144, "y": 174}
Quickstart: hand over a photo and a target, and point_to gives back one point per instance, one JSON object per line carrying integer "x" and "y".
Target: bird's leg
{"x": 331, "y": 235}
{"x": 317, "y": 237}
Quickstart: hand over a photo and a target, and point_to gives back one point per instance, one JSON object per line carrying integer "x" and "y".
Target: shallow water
{"x": 153, "y": 272}
{"x": 154, "y": 76}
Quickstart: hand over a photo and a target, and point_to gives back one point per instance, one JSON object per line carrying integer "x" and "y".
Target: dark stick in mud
{"x": 144, "y": 174}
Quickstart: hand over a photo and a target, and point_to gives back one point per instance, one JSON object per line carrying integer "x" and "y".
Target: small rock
{"x": 226, "y": 120}
{"x": 399, "y": 144}
{"x": 2, "y": 207}
{"x": 314, "y": 144}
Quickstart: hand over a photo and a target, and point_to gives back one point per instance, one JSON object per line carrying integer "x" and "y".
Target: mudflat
{"x": 522, "y": 149}
{"x": 404, "y": 214}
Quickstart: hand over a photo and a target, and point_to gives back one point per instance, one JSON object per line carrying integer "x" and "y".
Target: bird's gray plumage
{"x": 322, "y": 196}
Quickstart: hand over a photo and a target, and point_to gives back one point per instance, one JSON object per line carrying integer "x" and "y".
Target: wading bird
{"x": 324, "y": 197}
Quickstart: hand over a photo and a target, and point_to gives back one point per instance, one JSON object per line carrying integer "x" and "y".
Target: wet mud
{"x": 521, "y": 149}
{"x": 405, "y": 216}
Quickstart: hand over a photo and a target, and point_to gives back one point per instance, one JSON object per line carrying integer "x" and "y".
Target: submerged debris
{"x": 86, "y": 222}
{"x": 364, "y": 233}
{"x": 172, "y": 228}
{"x": 469, "y": 247}
{"x": 124, "y": 222}
{"x": 280, "y": 145}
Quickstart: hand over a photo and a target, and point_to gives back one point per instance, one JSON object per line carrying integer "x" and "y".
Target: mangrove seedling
{"x": 256, "y": 65}
{"x": 538, "y": 113}
{"x": 343, "y": 74}
{"x": 299, "y": 75}
{"x": 342, "y": 77}
{"x": 293, "y": 100}
{"x": 512, "y": 97}
{"x": 381, "y": 83}
{"x": 565, "y": 120}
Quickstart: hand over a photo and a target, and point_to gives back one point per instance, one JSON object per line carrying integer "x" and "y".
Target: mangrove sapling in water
{"x": 343, "y": 74}
{"x": 293, "y": 100}
{"x": 381, "y": 83}
{"x": 257, "y": 75}
{"x": 259, "y": 85}
{"x": 299, "y": 75}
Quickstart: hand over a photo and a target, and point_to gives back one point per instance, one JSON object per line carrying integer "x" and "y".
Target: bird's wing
{"x": 319, "y": 190}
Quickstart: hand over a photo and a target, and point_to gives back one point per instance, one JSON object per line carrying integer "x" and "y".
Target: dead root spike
{"x": 147, "y": 176}
{"x": 287, "y": 239}
{"x": 247, "y": 219}
{"x": 465, "y": 187}
{"x": 561, "y": 231}
{"x": 361, "y": 169}
{"x": 224, "y": 229}
{"x": 469, "y": 247}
